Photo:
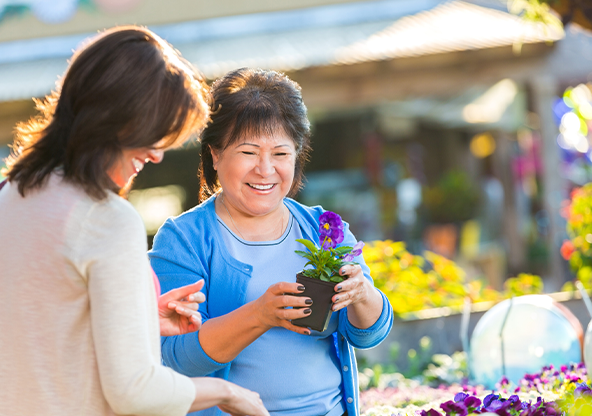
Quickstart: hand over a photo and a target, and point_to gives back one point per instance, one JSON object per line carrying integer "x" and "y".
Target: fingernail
{"x": 301, "y": 288}
{"x": 307, "y": 311}
{"x": 335, "y": 308}
{"x": 308, "y": 301}
{"x": 307, "y": 332}
{"x": 342, "y": 272}
{"x": 337, "y": 299}
{"x": 339, "y": 288}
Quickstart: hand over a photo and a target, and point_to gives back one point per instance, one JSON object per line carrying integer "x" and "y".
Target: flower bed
{"x": 563, "y": 391}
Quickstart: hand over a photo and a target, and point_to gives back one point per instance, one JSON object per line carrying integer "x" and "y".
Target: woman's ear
{"x": 215, "y": 157}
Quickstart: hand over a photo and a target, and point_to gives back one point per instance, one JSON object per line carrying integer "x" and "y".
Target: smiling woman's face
{"x": 256, "y": 173}
{"x": 131, "y": 162}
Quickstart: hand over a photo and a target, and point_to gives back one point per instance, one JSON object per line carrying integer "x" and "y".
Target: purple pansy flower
{"x": 489, "y": 398}
{"x": 356, "y": 251}
{"x": 431, "y": 412}
{"x": 460, "y": 397}
{"x": 472, "y": 402}
{"x": 452, "y": 408}
{"x": 330, "y": 229}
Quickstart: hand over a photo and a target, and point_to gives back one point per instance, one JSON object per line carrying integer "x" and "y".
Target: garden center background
{"x": 444, "y": 124}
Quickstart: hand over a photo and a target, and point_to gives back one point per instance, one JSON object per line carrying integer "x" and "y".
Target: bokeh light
{"x": 482, "y": 145}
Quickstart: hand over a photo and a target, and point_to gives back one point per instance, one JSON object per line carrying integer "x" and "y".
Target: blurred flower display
{"x": 578, "y": 249}
{"x": 413, "y": 282}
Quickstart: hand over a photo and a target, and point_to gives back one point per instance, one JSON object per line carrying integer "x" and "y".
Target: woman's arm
{"x": 224, "y": 337}
{"x": 229, "y": 397}
{"x": 124, "y": 316}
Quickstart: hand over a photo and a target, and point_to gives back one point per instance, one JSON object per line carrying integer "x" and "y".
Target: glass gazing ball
{"x": 537, "y": 332}
{"x": 588, "y": 348}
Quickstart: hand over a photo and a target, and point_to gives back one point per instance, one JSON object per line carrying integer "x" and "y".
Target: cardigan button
{"x": 345, "y": 368}
{"x": 350, "y": 400}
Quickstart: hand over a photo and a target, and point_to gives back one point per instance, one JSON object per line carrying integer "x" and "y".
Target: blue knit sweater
{"x": 190, "y": 247}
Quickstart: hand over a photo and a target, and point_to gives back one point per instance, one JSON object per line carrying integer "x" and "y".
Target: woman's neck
{"x": 253, "y": 228}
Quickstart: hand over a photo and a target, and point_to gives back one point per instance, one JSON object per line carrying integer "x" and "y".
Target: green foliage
{"x": 454, "y": 198}
{"x": 325, "y": 262}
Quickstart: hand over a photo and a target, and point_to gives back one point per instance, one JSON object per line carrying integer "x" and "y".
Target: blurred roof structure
{"x": 294, "y": 40}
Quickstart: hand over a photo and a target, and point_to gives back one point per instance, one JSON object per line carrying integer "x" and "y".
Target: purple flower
{"x": 472, "y": 402}
{"x": 460, "y": 397}
{"x": 582, "y": 391}
{"x": 452, "y": 408}
{"x": 330, "y": 229}
{"x": 489, "y": 398}
{"x": 430, "y": 412}
{"x": 356, "y": 251}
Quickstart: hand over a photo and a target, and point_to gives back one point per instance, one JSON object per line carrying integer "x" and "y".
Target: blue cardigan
{"x": 190, "y": 247}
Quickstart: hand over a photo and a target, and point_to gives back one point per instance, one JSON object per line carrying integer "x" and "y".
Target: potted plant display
{"x": 325, "y": 260}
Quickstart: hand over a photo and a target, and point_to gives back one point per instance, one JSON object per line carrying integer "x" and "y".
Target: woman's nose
{"x": 265, "y": 166}
{"x": 155, "y": 155}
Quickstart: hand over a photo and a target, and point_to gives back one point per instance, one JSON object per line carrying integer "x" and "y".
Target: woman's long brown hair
{"x": 126, "y": 89}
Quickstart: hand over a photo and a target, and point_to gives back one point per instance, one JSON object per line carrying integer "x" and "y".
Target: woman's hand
{"x": 177, "y": 309}
{"x": 359, "y": 295}
{"x": 243, "y": 402}
{"x": 274, "y": 307}
{"x": 355, "y": 288}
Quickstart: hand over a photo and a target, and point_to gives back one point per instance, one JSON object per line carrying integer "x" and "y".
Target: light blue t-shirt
{"x": 267, "y": 366}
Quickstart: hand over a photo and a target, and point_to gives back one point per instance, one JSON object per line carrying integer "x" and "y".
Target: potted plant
{"x": 326, "y": 260}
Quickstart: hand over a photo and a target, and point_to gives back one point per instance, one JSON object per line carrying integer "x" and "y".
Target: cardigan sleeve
{"x": 176, "y": 263}
{"x": 111, "y": 252}
{"x": 375, "y": 334}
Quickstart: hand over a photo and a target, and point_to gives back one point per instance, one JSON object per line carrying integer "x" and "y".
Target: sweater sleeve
{"x": 124, "y": 315}
{"x": 176, "y": 264}
{"x": 375, "y": 334}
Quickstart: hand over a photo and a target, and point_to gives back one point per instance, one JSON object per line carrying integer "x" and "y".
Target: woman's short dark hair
{"x": 253, "y": 102}
{"x": 126, "y": 89}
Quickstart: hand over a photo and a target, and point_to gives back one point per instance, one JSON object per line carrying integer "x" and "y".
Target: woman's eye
{"x": 281, "y": 154}
{"x": 244, "y": 152}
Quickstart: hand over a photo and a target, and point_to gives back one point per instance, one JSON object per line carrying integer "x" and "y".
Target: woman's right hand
{"x": 242, "y": 402}
{"x": 274, "y": 307}
{"x": 230, "y": 398}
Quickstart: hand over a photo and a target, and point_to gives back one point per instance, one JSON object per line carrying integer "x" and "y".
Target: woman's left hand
{"x": 354, "y": 289}
{"x": 177, "y": 309}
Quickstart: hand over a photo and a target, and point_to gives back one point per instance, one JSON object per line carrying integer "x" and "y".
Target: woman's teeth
{"x": 261, "y": 187}
{"x": 138, "y": 165}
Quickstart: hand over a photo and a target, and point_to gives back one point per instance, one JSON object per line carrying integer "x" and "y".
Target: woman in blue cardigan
{"x": 241, "y": 240}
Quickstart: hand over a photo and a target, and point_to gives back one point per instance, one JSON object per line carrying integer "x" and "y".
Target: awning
{"x": 376, "y": 34}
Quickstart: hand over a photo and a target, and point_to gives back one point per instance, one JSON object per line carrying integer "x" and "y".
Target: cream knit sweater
{"x": 79, "y": 331}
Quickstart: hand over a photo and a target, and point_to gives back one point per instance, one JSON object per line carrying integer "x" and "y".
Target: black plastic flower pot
{"x": 321, "y": 293}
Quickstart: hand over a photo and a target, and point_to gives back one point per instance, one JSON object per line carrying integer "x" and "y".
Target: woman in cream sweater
{"x": 80, "y": 323}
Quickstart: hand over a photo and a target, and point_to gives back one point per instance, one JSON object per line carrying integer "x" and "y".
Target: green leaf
{"x": 308, "y": 244}
{"x": 304, "y": 254}
{"x": 343, "y": 250}
{"x": 337, "y": 279}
